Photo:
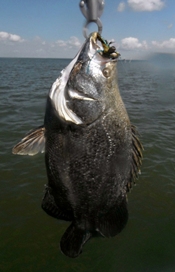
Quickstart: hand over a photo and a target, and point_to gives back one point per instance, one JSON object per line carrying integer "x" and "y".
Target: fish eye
{"x": 106, "y": 72}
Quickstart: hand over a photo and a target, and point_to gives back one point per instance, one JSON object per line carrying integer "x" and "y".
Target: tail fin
{"x": 73, "y": 240}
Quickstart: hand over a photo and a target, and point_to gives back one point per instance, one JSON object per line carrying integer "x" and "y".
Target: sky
{"x": 54, "y": 28}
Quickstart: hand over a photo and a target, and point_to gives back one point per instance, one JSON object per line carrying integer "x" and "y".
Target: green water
{"x": 29, "y": 239}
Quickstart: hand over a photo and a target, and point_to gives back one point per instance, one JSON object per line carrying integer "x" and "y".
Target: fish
{"x": 92, "y": 151}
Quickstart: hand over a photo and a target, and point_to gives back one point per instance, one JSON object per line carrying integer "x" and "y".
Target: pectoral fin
{"x": 32, "y": 143}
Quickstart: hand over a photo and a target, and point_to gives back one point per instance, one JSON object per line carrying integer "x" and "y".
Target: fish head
{"x": 86, "y": 86}
{"x": 95, "y": 65}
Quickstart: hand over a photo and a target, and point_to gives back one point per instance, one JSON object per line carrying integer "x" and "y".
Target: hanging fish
{"x": 92, "y": 152}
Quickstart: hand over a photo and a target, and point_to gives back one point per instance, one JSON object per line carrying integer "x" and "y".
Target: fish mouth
{"x": 97, "y": 46}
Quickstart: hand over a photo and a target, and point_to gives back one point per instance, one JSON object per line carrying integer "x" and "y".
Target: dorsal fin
{"x": 137, "y": 156}
{"x": 32, "y": 143}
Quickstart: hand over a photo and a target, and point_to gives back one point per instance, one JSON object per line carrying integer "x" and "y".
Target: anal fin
{"x": 111, "y": 223}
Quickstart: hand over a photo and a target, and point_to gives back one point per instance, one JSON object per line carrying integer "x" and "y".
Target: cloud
{"x": 170, "y": 26}
{"x": 61, "y": 43}
{"x": 5, "y": 36}
{"x": 146, "y": 5}
{"x": 168, "y": 44}
{"x": 59, "y": 48}
{"x": 121, "y": 7}
{"x": 132, "y": 43}
{"x": 12, "y": 45}
{"x": 73, "y": 42}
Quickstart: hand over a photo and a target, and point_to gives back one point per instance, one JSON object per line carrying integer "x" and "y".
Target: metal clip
{"x": 92, "y": 10}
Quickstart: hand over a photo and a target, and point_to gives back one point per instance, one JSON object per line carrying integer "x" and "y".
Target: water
{"x": 29, "y": 239}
